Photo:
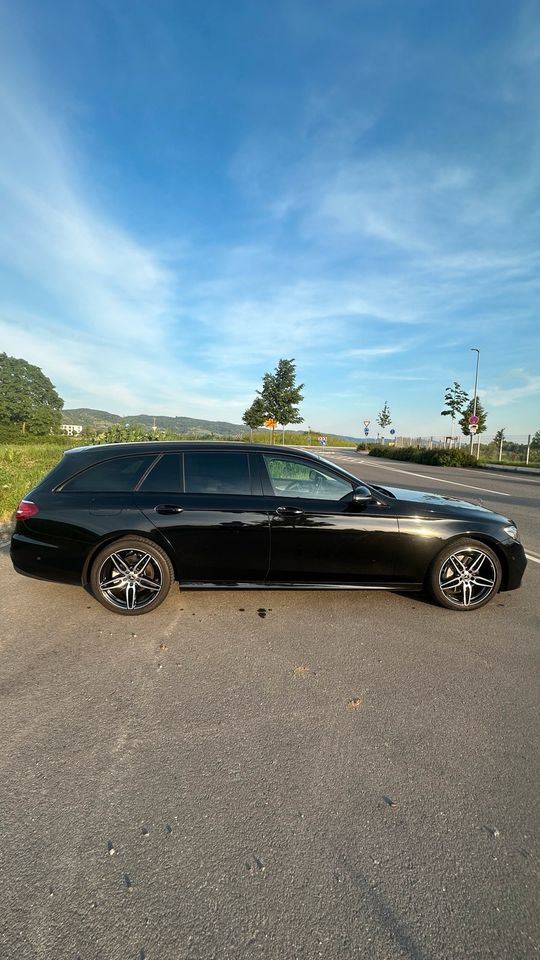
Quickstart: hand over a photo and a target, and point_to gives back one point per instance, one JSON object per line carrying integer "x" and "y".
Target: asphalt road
{"x": 279, "y": 775}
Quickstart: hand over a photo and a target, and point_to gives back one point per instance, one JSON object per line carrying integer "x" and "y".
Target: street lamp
{"x": 477, "y": 351}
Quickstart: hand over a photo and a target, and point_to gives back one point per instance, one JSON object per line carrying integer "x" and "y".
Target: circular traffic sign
{"x": 366, "y": 431}
{"x": 473, "y": 420}
{"x": 392, "y": 431}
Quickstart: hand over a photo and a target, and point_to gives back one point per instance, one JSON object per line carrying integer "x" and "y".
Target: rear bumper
{"x": 45, "y": 561}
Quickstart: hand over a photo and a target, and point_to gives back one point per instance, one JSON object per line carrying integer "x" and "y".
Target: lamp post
{"x": 477, "y": 351}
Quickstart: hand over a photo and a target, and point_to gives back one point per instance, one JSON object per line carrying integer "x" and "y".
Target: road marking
{"x": 534, "y": 559}
{"x": 425, "y": 476}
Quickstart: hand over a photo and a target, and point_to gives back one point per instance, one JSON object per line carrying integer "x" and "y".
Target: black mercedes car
{"x": 125, "y": 520}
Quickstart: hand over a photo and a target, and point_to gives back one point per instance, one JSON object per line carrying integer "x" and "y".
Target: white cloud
{"x": 503, "y": 396}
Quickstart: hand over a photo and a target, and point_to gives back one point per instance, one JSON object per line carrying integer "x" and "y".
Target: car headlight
{"x": 512, "y": 531}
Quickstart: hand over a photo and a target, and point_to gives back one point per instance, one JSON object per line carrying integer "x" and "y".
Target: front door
{"x": 318, "y": 533}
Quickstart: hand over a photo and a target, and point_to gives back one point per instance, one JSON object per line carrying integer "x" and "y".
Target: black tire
{"x": 131, "y": 576}
{"x": 465, "y": 575}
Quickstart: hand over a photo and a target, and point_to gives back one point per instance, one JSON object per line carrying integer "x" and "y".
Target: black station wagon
{"x": 125, "y": 520}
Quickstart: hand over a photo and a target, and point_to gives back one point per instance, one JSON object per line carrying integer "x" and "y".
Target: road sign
{"x": 392, "y": 431}
{"x": 271, "y": 423}
{"x": 322, "y": 441}
{"x": 473, "y": 427}
{"x": 367, "y": 423}
{"x": 366, "y": 431}
{"x": 473, "y": 420}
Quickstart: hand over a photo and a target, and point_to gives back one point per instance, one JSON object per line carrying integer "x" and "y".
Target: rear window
{"x": 217, "y": 473}
{"x": 118, "y": 475}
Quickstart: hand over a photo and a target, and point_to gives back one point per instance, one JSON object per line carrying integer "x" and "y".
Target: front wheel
{"x": 465, "y": 575}
{"x": 131, "y": 576}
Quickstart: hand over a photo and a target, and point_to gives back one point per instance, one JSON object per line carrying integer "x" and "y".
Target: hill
{"x": 102, "y": 419}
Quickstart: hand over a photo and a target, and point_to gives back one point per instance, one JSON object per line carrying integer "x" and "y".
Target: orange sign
{"x": 271, "y": 423}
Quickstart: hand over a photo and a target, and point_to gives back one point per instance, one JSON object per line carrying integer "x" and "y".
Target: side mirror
{"x": 362, "y": 494}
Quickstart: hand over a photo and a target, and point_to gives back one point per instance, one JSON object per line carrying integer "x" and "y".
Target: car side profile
{"x": 126, "y": 520}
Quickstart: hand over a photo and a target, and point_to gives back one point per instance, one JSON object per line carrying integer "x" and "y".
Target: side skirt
{"x": 263, "y": 585}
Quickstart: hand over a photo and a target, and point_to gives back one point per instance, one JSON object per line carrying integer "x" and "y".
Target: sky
{"x": 191, "y": 191}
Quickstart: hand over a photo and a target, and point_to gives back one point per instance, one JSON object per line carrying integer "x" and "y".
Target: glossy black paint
{"x": 264, "y": 538}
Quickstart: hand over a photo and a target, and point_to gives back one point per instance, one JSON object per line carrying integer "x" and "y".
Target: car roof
{"x": 159, "y": 446}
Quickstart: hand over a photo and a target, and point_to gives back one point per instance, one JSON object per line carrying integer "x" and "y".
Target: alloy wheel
{"x": 468, "y": 577}
{"x": 130, "y": 579}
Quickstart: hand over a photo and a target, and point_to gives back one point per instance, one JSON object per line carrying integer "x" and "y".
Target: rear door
{"x": 208, "y": 504}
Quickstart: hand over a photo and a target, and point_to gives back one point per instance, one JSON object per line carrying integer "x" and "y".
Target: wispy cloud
{"x": 359, "y": 248}
{"x": 501, "y": 396}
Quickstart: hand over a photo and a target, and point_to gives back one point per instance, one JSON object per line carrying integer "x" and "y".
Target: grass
{"x": 21, "y": 466}
{"x": 299, "y": 439}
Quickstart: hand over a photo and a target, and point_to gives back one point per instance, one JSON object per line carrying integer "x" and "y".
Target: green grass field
{"x": 21, "y": 466}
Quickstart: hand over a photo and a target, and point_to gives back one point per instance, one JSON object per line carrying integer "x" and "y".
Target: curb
{"x": 496, "y": 466}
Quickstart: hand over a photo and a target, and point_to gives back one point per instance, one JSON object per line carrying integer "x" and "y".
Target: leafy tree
{"x": 384, "y": 419}
{"x": 499, "y": 436}
{"x": 280, "y": 396}
{"x": 27, "y": 397}
{"x": 255, "y": 415}
{"x": 467, "y": 412}
{"x": 535, "y": 442}
{"x": 455, "y": 399}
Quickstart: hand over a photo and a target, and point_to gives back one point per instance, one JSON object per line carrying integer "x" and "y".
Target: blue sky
{"x": 189, "y": 192}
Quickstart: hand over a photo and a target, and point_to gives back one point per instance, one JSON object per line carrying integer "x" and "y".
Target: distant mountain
{"x": 101, "y": 419}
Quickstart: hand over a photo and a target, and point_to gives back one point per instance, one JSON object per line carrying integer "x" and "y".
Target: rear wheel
{"x": 131, "y": 576}
{"x": 465, "y": 575}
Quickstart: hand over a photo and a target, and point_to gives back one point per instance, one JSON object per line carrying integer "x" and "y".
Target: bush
{"x": 436, "y": 457}
{"x": 12, "y": 433}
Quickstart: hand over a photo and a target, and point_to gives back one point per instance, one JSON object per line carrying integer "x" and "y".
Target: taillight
{"x": 26, "y": 509}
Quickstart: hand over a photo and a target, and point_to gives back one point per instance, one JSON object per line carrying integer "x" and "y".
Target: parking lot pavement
{"x": 267, "y": 774}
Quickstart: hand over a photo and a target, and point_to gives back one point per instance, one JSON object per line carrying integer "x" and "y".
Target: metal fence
{"x": 515, "y": 448}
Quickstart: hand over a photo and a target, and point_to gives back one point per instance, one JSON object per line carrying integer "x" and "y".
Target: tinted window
{"x": 296, "y": 478}
{"x": 111, "y": 476}
{"x": 217, "y": 473}
{"x": 165, "y": 476}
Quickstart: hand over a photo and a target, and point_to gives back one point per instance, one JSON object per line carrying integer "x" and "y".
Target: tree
{"x": 535, "y": 442}
{"x": 280, "y": 396}
{"x": 499, "y": 436}
{"x": 384, "y": 419}
{"x": 467, "y": 412}
{"x": 27, "y": 397}
{"x": 255, "y": 415}
{"x": 455, "y": 399}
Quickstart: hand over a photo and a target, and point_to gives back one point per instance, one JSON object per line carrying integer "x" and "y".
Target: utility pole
{"x": 477, "y": 351}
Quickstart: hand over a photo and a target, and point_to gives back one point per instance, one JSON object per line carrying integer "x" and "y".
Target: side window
{"x": 117, "y": 475}
{"x": 165, "y": 476}
{"x": 217, "y": 473}
{"x": 296, "y": 478}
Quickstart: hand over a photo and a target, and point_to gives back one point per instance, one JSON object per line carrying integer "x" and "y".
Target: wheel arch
{"x": 120, "y": 535}
{"x": 480, "y": 538}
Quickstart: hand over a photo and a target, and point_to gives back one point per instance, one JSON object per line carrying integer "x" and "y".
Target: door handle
{"x": 290, "y": 512}
{"x": 168, "y": 508}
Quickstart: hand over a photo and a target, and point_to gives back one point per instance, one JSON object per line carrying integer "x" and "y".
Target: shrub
{"x": 435, "y": 457}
